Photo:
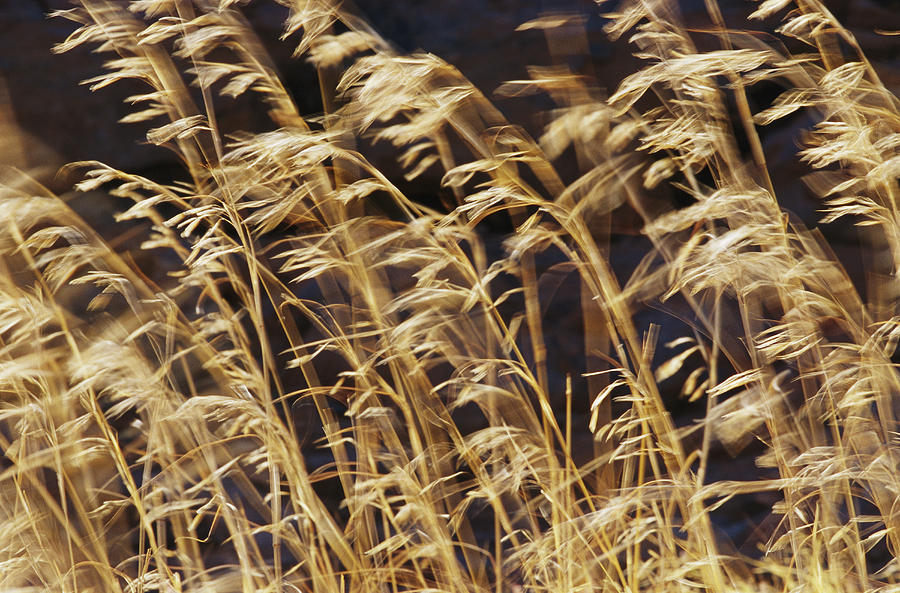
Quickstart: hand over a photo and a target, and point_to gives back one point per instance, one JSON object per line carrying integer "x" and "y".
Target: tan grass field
{"x": 324, "y": 385}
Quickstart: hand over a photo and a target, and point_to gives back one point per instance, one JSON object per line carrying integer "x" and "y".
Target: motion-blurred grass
{"x": 322, "y": 385}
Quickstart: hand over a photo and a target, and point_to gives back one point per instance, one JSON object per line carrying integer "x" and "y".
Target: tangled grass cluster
{"x": 327, "y": 386}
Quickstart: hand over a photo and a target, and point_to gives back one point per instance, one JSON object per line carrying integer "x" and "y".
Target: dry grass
{"x": 317, "y": 396}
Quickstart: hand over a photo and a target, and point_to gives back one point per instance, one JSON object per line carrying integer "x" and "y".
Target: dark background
{"x": 62, "y": 121}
